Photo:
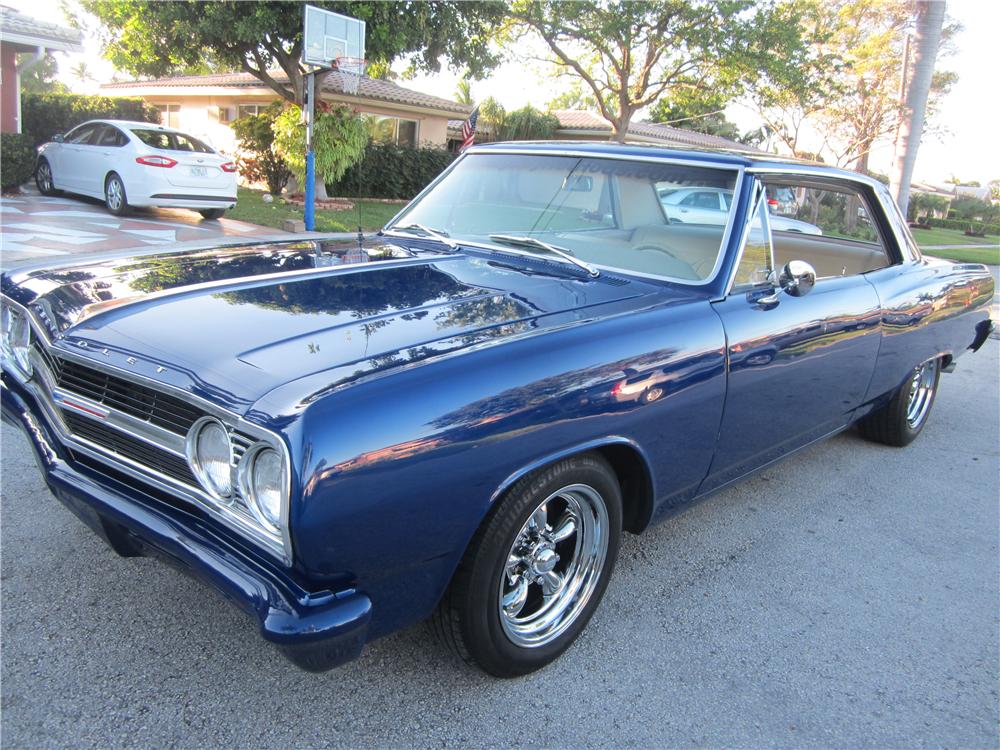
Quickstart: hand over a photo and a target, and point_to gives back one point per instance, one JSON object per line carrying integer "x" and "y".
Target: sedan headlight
{"x": 210, "y": 454}
{"x": 262, "y": 480}
{"x": 16, "y": 339}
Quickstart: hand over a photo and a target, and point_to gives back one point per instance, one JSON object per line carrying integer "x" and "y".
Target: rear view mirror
{"x": 582, "y": 183}
{"x": 57, "y": 138}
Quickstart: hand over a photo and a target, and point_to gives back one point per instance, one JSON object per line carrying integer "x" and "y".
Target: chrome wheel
{"x": 115, "y": 194}
{"x": 554, "y": 565}
{"x": 921, "y": 393}
{"x": 44, "y": 177}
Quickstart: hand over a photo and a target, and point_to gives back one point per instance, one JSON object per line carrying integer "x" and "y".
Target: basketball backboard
{"x": 328, "y": 35}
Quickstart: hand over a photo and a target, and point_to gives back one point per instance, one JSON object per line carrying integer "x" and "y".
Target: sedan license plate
{"x": 199, "y": 171}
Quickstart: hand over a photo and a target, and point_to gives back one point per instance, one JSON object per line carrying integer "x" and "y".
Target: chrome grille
{"x": 139, "y": 401}
{"x": 131, "y": 448}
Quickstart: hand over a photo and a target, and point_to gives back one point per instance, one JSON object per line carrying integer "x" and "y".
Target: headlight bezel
{"x": 195, "y": 461}
{"x": 245, "y": 481}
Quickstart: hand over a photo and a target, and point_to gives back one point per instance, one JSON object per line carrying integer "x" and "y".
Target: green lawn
{"x": 988, "y": 255}
{"x": 251, "y": 207}
{"x": 988, "y": 250}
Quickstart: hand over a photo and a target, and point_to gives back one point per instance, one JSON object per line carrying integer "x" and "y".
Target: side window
{"x": 110, "y": 136}
{"x": 756, "y": 262}
{"x": 80, "y": 135}
{"x": 828, "y": 225}
{"x": 702, "y": 199}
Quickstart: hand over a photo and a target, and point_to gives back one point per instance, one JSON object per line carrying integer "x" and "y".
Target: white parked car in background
{"x": 137, "y": 164}
{"x": 705, "y": 205}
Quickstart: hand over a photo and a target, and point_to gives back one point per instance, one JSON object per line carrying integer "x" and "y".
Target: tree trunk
{"x": 930, "y": 18}
{"x": 320, "y": 189}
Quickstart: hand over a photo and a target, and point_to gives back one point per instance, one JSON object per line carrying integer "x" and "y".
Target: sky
{"x": 969, "y": 116}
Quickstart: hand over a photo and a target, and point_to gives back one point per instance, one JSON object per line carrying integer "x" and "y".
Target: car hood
{"x": 232, "y": 324}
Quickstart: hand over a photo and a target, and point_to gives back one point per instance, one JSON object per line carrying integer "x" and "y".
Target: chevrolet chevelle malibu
{"x": 457, "y": 418}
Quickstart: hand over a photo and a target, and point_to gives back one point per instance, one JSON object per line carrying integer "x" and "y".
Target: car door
{"x": 73, "y": 153}
{"x": 799, "y": 366}
{"x": 102, "y": 157}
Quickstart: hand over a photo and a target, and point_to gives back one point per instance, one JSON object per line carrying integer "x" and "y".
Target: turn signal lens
{"x": 155, "y": 161}
{"x": 16, "y": 341}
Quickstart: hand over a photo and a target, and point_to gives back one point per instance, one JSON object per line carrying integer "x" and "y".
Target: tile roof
{"x": 369, "y": 88}
{"x": 17, "y": 28}
{"x": 578, "y": 119}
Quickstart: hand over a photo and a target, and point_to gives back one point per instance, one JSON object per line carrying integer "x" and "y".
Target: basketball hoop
{"x": 352, "y": 70}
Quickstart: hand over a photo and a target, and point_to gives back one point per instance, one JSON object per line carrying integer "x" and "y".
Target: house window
{"x": 170, "y": 115}
{"x": 245, "y": 110}
{"x": 393, "y": 130}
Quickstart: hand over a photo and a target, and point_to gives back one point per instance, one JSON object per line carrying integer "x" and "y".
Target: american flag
{"x": 469, "y": 130}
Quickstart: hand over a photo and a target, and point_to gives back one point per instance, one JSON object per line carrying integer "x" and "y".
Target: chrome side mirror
{"x": 797, "y": 278}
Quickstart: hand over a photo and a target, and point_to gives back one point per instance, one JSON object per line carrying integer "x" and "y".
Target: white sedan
{"x": 137, "y": 164}
{"x": 705, "y": 205}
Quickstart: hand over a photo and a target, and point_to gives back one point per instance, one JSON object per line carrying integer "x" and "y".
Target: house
{"x": 205, "y": 105}
{"x": 23, "y": 34}
{"x": 584, "y": 125}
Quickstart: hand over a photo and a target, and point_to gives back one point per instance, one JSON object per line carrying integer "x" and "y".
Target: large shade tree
{"x": 149, "y": 38}
{"x": 628, "y": 54}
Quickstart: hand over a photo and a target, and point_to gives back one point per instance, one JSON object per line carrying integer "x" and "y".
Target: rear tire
{"x": 900, "y": 421}
{"x": 213, "y": 213}
{"x": 115, "y": 197}
{"x": 536, "y": 570}
{"x": 44, "y": 180}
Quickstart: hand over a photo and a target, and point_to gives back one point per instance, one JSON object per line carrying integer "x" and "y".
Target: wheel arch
{"x": 630, "y": 464}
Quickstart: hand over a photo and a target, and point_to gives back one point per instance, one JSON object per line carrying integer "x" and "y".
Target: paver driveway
{"x": 33, "y": 227}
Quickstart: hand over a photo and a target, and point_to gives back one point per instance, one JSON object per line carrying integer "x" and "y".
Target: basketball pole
{"x": 310, "y": 191}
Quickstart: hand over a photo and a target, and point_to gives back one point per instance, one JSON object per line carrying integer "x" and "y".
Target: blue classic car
{"x": 457, "y": 418}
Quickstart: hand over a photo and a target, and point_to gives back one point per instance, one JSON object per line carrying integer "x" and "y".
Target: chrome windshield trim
{"x": 755, "y": 199}
{"x": 738, "y": 168}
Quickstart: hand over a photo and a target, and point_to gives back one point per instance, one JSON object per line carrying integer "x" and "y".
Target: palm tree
{"x": 463, "y": 91}
{"x": 81, "y": 72}
{"x": 930, "y": 19}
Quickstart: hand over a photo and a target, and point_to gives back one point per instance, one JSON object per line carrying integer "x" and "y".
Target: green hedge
{"x": 44, "y": 115}
{"x": 17, "y": 159}
{"x": 962, "y": 225}
{"x": 391, "y": 172}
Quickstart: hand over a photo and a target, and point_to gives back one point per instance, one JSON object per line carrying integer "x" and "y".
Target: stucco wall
{"x": 199, "y": 116}
{"x": 8, "y": 89}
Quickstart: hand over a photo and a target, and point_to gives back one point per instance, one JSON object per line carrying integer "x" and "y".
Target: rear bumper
{"x": 315, "y": 630}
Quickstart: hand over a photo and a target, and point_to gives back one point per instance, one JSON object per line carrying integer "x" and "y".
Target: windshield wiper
{"x": 525, "y": 241}
{"x": 438, "y": 234}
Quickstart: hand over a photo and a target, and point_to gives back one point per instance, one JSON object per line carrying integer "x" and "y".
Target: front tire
{"x": 115, "y": 197}
{"x": 43, "y": 178}
{"x": 213, "y": 213}
{"x": 900, "y": 421}
{"x": 536, "y": 569}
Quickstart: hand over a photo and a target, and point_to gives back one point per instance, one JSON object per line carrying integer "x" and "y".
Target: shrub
{"x": 258, "y": 160}
{"x": 961, "y": 226}
{"x": 339, "y": 138}
{"x": 389, "y": 171}
{"x": 44, "y": 115}
{"x": 17, "y": 159}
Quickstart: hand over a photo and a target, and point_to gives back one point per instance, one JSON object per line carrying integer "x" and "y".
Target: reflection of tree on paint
{"x": 362, "y": 294}
{"x": 160, "y": 274}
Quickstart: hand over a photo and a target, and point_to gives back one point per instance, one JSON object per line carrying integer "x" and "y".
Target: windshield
{"x": 166, "y": 141}
{"x": 625, "y": 215}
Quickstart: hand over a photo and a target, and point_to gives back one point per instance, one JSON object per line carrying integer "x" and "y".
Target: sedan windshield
{"x": 626, "y": 215}
{"x": 167, "y": 141}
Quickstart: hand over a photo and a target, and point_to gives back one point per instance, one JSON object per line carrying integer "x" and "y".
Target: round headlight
{"x": 264, "y": 478}
{"x": 17, "y": 339}
{"x": 211, "y": 456}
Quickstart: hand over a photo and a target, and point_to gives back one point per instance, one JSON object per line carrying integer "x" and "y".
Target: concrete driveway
{"x": 34, "y": 227}
{"x": 844, "y": 598}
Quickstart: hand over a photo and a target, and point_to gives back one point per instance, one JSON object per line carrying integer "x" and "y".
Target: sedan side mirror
{"x": 57, "y": 138}
{"x": 797, "y": 278}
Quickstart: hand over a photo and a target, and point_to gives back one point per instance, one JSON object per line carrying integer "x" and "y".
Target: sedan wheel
{"x": 115, "y": 197}
{"x": 43, "y": 178}
{"x": 901, "y": 420}
{"x": 536, "y": 569}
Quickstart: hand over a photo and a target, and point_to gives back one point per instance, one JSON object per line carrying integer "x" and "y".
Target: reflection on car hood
{"x": 233, "y": 324}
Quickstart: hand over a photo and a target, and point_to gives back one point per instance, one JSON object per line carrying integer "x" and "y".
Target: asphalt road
{"x": 847, "y": 597}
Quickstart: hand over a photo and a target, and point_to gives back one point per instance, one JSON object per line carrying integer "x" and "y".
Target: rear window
{"x": 165, "y": 141}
